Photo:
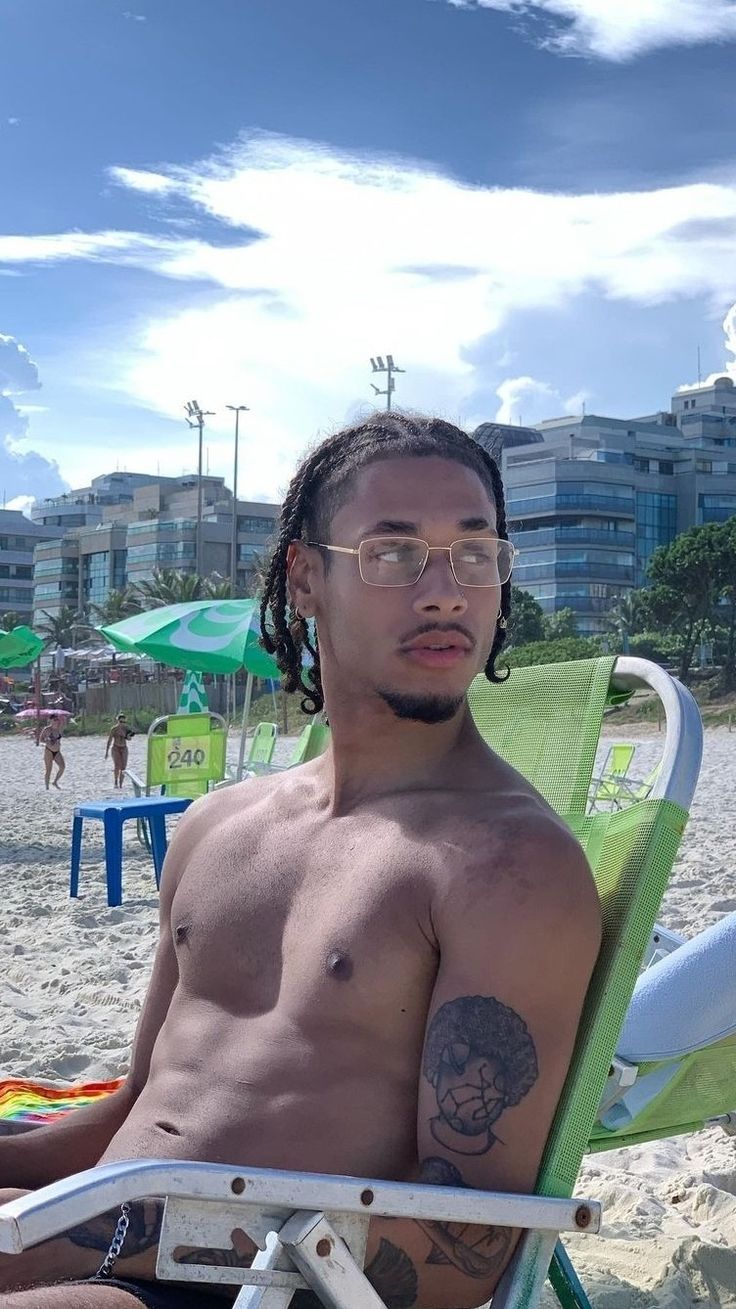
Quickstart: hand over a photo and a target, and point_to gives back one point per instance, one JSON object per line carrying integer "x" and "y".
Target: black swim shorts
{"x": 163, "y": 1295}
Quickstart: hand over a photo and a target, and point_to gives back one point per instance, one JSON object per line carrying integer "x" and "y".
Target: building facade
{"x": 18, "y": 540}
{"x": 133, "y": 525}
{"x": 589, "y": 499}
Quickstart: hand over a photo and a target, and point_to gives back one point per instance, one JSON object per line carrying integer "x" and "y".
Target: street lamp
{"x": 390, "y": 368}
{"x": 195, "y": 418}
{"x": 237, "y": 410}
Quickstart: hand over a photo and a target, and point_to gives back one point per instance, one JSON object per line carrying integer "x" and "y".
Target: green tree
{"x": 526, "y": 622}
{"x": 217, "y": 587}
{"x": 685, "y": 587}
{"x": 625, "y": 617}
{"x": 560, "y": 625}
{"x": 118, "y": 605}
{"x": 726, "y": 585}
{"x": 11, "y": 619}
{"x": 59, "y": 629}
{"x": 552, "y": 652}
{"x": 168, "y": 587}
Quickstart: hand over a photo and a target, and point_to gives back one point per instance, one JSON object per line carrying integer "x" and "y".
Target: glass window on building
{"x": 716, "y": 508}
{"x": 256, "y": 523}
{"x": 656, "y": 524}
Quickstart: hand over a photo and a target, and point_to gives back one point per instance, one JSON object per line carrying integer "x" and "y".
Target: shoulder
{"x": 520, "y": 862}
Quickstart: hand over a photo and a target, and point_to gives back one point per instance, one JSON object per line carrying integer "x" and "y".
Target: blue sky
{"x": 531, "y": 205}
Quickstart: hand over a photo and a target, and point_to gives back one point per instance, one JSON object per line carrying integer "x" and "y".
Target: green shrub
{"x": 551, "y": 652}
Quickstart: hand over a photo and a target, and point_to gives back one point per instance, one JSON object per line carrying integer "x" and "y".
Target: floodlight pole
{"x": 390, "y": 368}
{"x": 195, "y": 418}
{"x": 237, "y": 410}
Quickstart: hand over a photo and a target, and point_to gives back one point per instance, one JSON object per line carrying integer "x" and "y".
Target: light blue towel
{"x": 686, "y": 1001}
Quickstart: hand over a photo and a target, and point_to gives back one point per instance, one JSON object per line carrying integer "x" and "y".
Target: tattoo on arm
{"x": 475, "y": 1251}
{"x": 144, "y": 1229}
{"x": 393, "y": 1275}
{"x": 480, "y": 1059}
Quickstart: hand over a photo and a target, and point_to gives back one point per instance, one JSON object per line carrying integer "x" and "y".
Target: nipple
{"x": 339, "y": 965}
{"x": 181, "y": 933}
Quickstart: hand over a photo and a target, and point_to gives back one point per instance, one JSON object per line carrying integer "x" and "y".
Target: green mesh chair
{"x": 631, "y": 852}
{"x": 608, "y": 789}
{"x": 314, "y": 740}
{"x": 185, "y": 755}
{"x": 262, "y": 746}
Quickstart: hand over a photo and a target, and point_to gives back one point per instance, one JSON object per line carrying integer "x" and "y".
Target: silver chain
{"x": 116, "y": 1243}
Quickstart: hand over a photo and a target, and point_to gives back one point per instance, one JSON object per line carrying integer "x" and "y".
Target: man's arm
{"x": 516, "y": 955}
{"x": 77, "y": 1140}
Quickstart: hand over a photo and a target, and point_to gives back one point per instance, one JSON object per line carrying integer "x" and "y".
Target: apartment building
{"x": 18, "y": 540}
{"x": 589, "y": 498}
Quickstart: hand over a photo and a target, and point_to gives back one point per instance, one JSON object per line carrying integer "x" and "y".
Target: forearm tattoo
{"x": 480, "y": 1059}
{"x": 474, "y": 1250}
{"x": 393, "y": 1275}
{"x": 144, "y": 1229}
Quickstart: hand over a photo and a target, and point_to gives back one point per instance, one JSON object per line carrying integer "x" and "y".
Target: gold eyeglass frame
{"x": 417, "y": 540}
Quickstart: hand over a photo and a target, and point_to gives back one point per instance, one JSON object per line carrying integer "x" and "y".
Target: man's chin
{"x": 422, "y": 708}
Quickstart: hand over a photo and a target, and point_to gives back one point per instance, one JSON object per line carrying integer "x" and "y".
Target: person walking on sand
{"x": 117, "y": 741}
{"x": 52, "y": 756}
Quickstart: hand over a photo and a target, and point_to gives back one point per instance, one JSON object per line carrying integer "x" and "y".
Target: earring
{"x": 298, "y": 614}
{"x": 501, "y": 621}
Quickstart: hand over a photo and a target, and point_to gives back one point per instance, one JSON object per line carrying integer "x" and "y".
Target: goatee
{"x": 422, "y": 708}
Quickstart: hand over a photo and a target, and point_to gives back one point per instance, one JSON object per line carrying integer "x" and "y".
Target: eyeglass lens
{"x": 399, "y": 561}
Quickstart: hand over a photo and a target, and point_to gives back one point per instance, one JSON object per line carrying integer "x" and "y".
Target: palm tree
{"x": 10, "y": 620}
{"x": 624, "y": 616}
{"x": 218, "y": 587}
{"x": 118, "y": 605}
{"x": 59, "y": 628}
{"x": 168, "y": 587}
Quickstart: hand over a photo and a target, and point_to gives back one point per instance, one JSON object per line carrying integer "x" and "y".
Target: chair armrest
{"x": 138, "y": 784}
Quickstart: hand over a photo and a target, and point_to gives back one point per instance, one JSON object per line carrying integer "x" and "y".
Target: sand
{"x": 73, "y": 974}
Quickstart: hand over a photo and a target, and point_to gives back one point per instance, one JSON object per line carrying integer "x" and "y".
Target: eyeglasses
{"x": 401, "y": 560}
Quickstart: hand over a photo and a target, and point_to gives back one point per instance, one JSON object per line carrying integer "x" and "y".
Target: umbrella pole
{"x": 244, "y": 725}
{"x": 38, "y": 700}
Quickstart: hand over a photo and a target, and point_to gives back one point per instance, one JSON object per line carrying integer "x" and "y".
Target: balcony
{"x": 550, "y": 504}
{"x": 574, "y": 536}
{"x": 622, "y": 573}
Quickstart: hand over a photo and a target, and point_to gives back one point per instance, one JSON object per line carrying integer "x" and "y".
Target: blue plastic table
{"x": 113, "y": 813}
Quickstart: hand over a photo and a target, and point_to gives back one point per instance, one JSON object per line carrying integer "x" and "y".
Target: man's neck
{"x": 373, "y": 753}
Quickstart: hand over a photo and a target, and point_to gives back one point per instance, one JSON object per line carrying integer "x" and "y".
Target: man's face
{"x": 418, "y": 647}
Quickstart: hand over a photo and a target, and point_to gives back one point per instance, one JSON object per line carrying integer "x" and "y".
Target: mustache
{"x": 425, "y": 628}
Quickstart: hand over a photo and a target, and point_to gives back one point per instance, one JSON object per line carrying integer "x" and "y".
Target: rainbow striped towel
{"x": 24, "y": 1101}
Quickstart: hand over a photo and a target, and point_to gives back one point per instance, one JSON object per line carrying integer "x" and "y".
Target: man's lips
{"x": 436, "y": 649}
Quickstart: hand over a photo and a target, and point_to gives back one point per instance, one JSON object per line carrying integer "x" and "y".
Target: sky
{"x": 532, "y": 206}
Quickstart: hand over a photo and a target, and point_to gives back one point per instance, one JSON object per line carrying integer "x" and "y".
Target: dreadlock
{"x": 318, "y": 488}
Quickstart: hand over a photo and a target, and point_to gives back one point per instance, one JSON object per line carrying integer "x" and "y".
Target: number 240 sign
{"x": 188, "y": 753}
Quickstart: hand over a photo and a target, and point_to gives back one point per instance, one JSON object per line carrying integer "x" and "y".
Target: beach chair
{"x": 313, "y": 741}
{"x": 608, "y": 788}
{"x": 311, "y": 1229}
{"x": 262, "y": 746}
{"x": 185, "y": 755}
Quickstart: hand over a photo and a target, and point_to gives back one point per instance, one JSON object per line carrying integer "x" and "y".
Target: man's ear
{"x": 300, "y": 578}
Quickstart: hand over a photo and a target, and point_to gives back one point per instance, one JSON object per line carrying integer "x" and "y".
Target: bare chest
{"x": 267, "y": 914}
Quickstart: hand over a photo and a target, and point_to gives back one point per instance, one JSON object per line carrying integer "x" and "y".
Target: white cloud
{"x": 622, "y": 29}
{"x": 23, "y": 502}
{"x": 527, "y": 400}
{"x": 358, "y": 255}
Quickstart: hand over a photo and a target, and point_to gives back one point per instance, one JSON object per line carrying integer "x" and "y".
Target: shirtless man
{"x": 50, "y": 738}
{"x": 117, "y": 741}
{"x": 374, "y": 964}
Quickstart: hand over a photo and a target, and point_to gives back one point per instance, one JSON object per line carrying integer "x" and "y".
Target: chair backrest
{"x": 263, "y": 744}
{"x": 631, "y": 852}
{"x": 619, "y": 760}
{"x": 313, "y": 741}
{"x": 186, "y": 752}
{"x": 546, "y": 721}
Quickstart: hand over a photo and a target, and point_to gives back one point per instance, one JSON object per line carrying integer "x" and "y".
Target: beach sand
{"x": 73, "y": 974}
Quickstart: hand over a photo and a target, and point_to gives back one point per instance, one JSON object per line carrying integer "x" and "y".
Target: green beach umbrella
{"x": 204, "y": 636}
{"x": 19, "y": 647}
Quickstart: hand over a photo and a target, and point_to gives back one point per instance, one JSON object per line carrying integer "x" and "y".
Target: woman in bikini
{"x": 117, "y": 741}
{"x": 52, "y": 756}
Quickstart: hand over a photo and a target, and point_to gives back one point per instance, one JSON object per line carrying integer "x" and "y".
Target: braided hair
{"x": 317, "y": 490}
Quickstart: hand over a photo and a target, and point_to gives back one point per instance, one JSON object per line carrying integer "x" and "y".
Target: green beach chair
{"x": 609, "y": 787}
{"x": 185, "y": 756}
{"x": 313, "y": 741}
{"x": 631, "y": 852}
{"x": 262, "y": 746}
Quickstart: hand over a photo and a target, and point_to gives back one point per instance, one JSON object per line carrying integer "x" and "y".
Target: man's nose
{"x": 437, "y": 591}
